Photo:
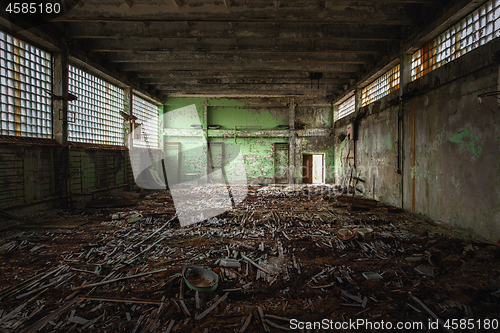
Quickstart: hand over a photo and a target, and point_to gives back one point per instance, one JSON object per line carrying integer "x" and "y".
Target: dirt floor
{"x": 119, "y": 269}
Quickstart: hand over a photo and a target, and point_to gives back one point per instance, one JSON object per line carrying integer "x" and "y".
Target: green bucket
{"x": 200, "y": 279}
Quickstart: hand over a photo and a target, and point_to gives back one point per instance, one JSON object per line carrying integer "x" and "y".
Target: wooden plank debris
{"x": 42, "y": 322}
{"x": 429, "y": 311}
{"x": 263, "y": 319}
{"x": 122, "y": 279}
{"x": 207, "y": 311}
{"x": 255, "y": 264}
{"x": 246, "y": 324}
{"x": 357, "y": 200}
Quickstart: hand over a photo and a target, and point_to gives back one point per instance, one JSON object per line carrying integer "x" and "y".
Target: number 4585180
{"x": 33, "y": 8}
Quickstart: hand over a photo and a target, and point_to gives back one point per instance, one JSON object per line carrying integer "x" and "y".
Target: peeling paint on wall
{"x": 414, "y": 171}
{"x": 387, "y": 142}
{"x": 440, "y": 137}
{"x": 467, "y": 145}
{"x": 338, "y": 157}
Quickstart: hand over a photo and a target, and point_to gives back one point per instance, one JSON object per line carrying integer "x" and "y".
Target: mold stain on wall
{"x": 468, "y": 141}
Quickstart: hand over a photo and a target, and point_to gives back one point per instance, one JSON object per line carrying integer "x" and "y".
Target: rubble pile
{"x": 283, "y": 254}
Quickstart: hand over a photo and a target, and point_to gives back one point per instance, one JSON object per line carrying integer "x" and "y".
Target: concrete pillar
{"x": 60, "y": 106}
{"x": 291, "y": 142}
{"x": 205, "y": 114}
{"x": 358, "y": 99}
{"x": 405, "y": 78}
{"x": 405, "y": 72}
{"x": 128, "y": 109}
{"x": 335, "y": 113}
{"x": 352, "y": 142}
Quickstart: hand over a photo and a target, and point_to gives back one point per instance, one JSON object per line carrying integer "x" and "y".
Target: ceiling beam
{"x": 178, "y": 3}
{"x": 389, "y": 13}
{"x": 240, "y": 66}
{"x": 434, "y": 25}
{"x": 232, "y": 93}
{"x": 187, "y": 29}
{"x": 164, "y": 56}
{"x": 248, "y": 86}
{"x": 243, "y": 44}
{"x": 210, "y": 80}
{"x": 447, "y": 17}
{"x": 208, "y": 73}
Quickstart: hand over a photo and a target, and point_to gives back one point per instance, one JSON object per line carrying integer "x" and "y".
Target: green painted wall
{"x": 256, "y": 136}
{"x": 229, "y": 118}
{"x": 257, "y": 150}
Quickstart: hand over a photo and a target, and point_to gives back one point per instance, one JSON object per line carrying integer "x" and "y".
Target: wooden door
{"x": 307, "y": 170}
{"x": 281, "y": 163}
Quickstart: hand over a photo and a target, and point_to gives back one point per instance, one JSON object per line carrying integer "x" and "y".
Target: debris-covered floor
{"x": 119, "y": 269}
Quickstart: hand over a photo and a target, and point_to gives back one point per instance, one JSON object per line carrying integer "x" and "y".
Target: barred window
{"x": 346, "y": 108}
{"x": 381, "y": 87}
{"x": 25, "y": 89}
{"x": 476, "y": 29}
{"x": 95, "y": 116}
{"x": 147, "y": 117}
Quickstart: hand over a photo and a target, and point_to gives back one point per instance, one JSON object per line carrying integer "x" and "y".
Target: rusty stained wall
{"x": 449, "y": 155}
{"x": 377, "y": 158}
{"x": 452, "y": 146}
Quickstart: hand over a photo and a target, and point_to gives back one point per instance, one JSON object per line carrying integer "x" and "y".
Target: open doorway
{"x": 313, "y": 169}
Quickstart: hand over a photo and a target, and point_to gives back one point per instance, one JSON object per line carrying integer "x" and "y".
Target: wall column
{"x": 60, "y": 106}
{"x": 128, "y": 109}
{"x": 291, "y": 142}
{"x": 405, "y": 78}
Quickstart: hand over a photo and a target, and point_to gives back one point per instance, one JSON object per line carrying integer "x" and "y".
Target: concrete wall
{"x": 452, "y": 144}
{"x": 36, "y": 172}
{"x": 438, "y": 152}
{"x": 372, "y": 154}
{"x": 93, "y": 168}
{"x": 254, "y": 125}
{"x": 27, "y": 171}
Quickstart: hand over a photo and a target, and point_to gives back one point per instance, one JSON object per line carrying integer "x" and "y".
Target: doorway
{"x": 281, "y": 163}
{"x": 312, "y": 169}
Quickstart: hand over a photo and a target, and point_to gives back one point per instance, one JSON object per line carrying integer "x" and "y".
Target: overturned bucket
{"x": 200, "y": 279}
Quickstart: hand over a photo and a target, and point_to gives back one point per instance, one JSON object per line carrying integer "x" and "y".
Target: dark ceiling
{"x": 245, "y": 48}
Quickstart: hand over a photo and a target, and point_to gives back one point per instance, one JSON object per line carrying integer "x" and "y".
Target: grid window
{"x": 381, "y": 87}
{"x": 473, "y": 31}
{"x": 25, "y": 89}
{"x": 147, "y": 117}
{"x": 346, "y": 108}
{"x": 95, "y": 116}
